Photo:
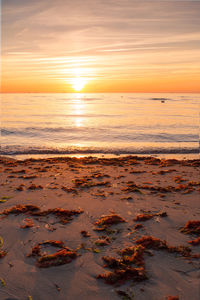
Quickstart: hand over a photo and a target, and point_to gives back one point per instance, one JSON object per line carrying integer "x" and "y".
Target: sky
{"x": 100, "y": 46}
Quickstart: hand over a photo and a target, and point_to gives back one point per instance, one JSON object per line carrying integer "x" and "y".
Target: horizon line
{"x": 101, "y": 92}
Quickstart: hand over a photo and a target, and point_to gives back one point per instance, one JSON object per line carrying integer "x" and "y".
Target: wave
{"x": 106, "y": 132}
{"x": 17, "y": 150}
{"x": 110, "y": 135}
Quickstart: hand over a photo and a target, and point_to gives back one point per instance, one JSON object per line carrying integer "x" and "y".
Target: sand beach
{"x": 99, "y": 228}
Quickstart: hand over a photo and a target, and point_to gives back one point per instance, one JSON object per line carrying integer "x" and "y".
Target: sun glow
{"x": 79, "y": 78}
{"x": 78, "y": 83}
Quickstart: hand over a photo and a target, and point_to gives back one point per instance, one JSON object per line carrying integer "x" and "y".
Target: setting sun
{"x": 78, "y": 84}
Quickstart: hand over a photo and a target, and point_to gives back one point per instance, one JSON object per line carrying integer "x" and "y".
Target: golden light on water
{"x": 78, "y": 122}
{"x": 78, "y": 108}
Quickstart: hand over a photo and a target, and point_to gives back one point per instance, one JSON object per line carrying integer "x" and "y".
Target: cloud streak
{"x": 116, "y": 38}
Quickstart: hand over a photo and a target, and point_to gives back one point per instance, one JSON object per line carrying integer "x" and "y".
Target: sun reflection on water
{"x": 78, "y": 122}
{"x": 78, "y": 109}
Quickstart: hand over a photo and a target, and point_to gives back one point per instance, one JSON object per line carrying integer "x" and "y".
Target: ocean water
{"x": 99, "y": 124}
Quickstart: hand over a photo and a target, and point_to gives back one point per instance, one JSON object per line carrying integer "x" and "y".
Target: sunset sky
{"x": 100, "y": 46}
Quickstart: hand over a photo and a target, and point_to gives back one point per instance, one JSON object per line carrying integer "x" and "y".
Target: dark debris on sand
{"x": 148, "y": 216}
{"x": 63, "y": 215}
{"x": 28, "y": 223}
{"x": 150, "y": 242}
{"x": 103, "y": 241}
{"x": 195, "y": 242}
{"x": 86, "y": 182}
{"x": 63, "y": 256}
{"x": 122, "y": 267}
{"x": 132, "y": 187}
{"x": 106, "y": 221}
{"x": 191, "y": 227}
{"x": 85, "y": 233}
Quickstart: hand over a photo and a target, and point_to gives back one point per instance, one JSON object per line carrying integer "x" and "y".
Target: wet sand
{"x": 91, "y": 228}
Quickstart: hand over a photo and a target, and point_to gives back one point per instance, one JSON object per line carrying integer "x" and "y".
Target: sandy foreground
{"x": 55, "y": 244}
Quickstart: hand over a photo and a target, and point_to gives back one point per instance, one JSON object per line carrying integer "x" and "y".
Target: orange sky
{"x": 100, "y": 46}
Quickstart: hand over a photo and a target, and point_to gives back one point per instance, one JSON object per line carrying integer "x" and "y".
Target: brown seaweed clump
{"x": 172, "y": 298}
{"x": 123, "y": 270}
{"x": 86, "y": 182}
{"x": 168, "y": 162}
{"x": 191, "y": 227}
{"x": 106, "y": 221}
{"x": 150, "y": 242}
{"x": 99, "y": 175}
{"x": 61, "y": 257}
{"x": 182, "y": 250}
{"x": 64, "y": 215}
{"x": 23, "y": 171}
{"x": 135, "y": 255}
{"x": 192, "y": 163}
{"x": 69, "y": 190}
{"x": 85, "y": 233}
{"x": 20, "y": 188}
{"x": 195, "y": 242}
{"x": 120, "y": 276}
{"x": 20, "y": 209}
{"x": 138, "y": 226}
{"x": 35, "y": 187}
{"x": 184, "y": 188}
{"x": 113, "y": 263}
{"x": 133, "y": 187}
{"x": 178, "y": 179}
{"x": 29, "y": 176}
{"x": 28, "y": 223}
{"x": 148, "y": 216}
{"x": 152, "y": 161}
{"x": 104, "y": 241}
{"x": 163, "y": 172}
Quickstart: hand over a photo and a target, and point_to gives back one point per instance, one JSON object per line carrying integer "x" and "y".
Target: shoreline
{"x": 54, "y": 230}
{"x": 178, "y": 156}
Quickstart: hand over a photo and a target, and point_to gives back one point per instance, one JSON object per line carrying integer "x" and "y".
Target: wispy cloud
{"x": 120, "y": 39}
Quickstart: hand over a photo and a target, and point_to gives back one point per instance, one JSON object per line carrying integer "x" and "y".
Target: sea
{"x": 103, "y": 124}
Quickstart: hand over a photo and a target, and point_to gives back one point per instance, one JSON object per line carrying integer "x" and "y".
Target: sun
{"x": 78, "y": 83}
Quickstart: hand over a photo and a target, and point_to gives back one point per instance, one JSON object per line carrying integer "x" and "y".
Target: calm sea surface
{"x": 99, "y": 123}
